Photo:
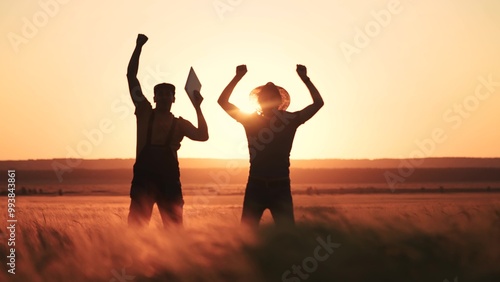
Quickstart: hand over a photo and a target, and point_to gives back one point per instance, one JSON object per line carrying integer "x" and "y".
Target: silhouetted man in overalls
{"x": 270, "y": 132}
{"x": 159, "y": 133}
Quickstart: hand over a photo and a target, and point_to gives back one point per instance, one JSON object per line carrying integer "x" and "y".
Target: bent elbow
{"x": 204, "y": 138}
{"x": 220, "y": 102}
{"x": 223, "y": 101}
{"x": 320, "y": 103}
{"x": 202, "y": 135}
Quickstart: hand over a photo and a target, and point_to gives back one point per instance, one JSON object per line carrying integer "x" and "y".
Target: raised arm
{"x": 223, "y": 101}
{"x": 311, "y": 110}
{"x": 200, "y": 133}
{"x": 133, "y": 66}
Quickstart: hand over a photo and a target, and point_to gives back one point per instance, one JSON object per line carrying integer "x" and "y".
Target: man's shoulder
{"x": 278, "y": 115}
{"x": 181, "y": 123}
{"x": 179, "y": 120}
{"x": 288, "y": 117}
{"x": 142, "y": 108}
{"x": 290, "y": 113}
{"x": 245, "y": 118}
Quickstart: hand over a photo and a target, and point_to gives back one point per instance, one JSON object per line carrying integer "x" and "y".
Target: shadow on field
{"x": 326, "y": 249}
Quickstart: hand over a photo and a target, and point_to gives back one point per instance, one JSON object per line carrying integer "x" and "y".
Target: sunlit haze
{"x": 399, "y": 78}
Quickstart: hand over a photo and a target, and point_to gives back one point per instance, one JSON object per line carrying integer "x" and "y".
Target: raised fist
{"x": 141, "y": 39}
{"x": 302, "y": 71}
{"x": 197, "y": 98}
{"x": 241, "y": 70}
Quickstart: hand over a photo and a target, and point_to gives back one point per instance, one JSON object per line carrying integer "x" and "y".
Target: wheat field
{"x": 419, "y": 237}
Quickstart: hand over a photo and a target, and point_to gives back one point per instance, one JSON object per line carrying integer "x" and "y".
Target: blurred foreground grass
{"x": 352, "y": 238}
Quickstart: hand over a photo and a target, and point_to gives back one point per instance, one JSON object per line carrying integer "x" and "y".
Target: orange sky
{"x": 399, "y": 78}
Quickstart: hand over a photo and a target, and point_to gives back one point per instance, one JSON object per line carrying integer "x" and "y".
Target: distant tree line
{"x": 33, "y": 191}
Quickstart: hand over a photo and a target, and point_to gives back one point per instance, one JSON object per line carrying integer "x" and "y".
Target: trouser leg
{"x": 281, "y": 205}
{"x": 171, "y": 211}
{"x": 141, "y": 208}
{"x": 170, "y": 202}
{"x": 253, "y": 205}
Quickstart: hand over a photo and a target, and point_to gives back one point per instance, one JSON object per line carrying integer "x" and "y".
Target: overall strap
{"x": 171, "y": 131}
{"x": 150, "y": 127}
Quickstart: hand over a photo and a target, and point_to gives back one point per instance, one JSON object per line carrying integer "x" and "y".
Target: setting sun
{"x": 339, "y": 140}
{"x": 389, "y": 72}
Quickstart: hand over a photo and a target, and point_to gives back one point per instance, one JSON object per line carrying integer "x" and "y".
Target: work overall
{"x": 156, "y": 180}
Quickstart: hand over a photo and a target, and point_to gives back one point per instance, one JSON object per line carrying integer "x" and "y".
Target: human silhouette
{"x": 270, "y": 132}
{"x": 156, "y": 169}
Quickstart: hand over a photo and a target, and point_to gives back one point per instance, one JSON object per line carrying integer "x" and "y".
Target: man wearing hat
{"x": 270, "y": 132}
{"x": 156, "y": 169}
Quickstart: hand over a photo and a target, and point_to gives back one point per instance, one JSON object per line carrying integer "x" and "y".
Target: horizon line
{"x": 246, "y": 159}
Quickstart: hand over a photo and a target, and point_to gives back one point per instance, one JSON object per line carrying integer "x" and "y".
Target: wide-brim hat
{"x": 255, "y": 93}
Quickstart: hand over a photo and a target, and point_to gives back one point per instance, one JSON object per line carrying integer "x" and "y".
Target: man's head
{"x": 270, "y": 97}
{"x": 164, "y": 96}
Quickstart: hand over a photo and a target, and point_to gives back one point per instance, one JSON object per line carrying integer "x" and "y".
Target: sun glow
{"x": 374, "y": 104}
